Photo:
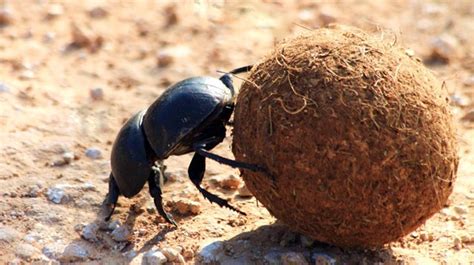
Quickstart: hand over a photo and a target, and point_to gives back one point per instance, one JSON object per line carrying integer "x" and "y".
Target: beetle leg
{"x": 196, "y": 173}
{"x": 155, "y": 192}
{"x": 200, "y": 149}
{"x": 112, "y": 197}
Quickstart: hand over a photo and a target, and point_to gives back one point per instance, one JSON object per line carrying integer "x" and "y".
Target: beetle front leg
{"x": 155, "y": 192}
{"x": 112, "y": 197}
{"x": 196, "y": 173}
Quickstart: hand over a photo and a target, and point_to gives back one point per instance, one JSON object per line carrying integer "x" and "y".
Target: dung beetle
{"x": 189, "y": 116}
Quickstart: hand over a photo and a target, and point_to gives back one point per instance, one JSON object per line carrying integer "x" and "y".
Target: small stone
{"x": 171, "y": 254}
{"x": 323, "y": 259}
{"x": 55, "y": 195}
{"x": 93, "y": 153}
{"x": 27, "y": 75}
{"x": 83, "y": 37}
{"x": 68, "y": 157}
{"x": 34, "y": 191}
{"x": 469, "y": 116}
{"x": 293, "y": 258}
{"x": 461, "y": 209}
{"x": 245, "y": 192}
{"x": 164, "y": 59}
{"x": 113, "y": 225}
{"x": 74, "y": 253}
{"x": 54, "y": 11}
{"x": 121, "y": 234}
{"x": 154, "y": 257}
{"x": 130, "y": 254}
{"x": 444, "y": 48}
{"x": 188, "y": 253}
{"x": 48, "y": 37}
{"x": 459, "y": 100}
{"x": 327, "y": 16}
{"x": 230, "y": 182}
{"x": 209, "y": 253}
{"x": 410, "y": 52}
{"x": 97, "y": 93}
{"x": 469, "y": 81}
{"x": 4, "y": 88}
{"x": 26, "y": 251}
{"x": 98, "y": 12}
{"x": 88, "y": 187}
{"x": 89, "y": 232}
{"x": 185, "y": 206}
{"x": 425, "y": 236}
{"x": 467, "y": 238}
{"x": 6, "y": 16}
{"x": 8, "y": 234}
{"x": 457, "y": 242}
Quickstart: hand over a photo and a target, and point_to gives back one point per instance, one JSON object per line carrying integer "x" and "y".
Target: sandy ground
{"x": 52, "y": 110}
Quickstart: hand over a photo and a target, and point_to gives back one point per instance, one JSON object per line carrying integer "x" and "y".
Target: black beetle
{"x": 189, "y": 116}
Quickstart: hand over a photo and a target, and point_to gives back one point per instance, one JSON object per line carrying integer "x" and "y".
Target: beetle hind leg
{"x": 196, "y": 173}
{"x": 155, "y": 192}
{"x": 112, "y": 197}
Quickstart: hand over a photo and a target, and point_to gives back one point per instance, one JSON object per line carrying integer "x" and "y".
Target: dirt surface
{"x": 72, "y": 72}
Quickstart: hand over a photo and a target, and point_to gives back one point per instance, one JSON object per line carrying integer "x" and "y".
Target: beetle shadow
{"x": 268, "y": 243}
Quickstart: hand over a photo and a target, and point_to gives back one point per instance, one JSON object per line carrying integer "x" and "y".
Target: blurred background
{"x": 72, "y": 72}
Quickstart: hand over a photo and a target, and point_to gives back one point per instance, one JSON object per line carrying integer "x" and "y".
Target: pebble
{"x": 323, "y": 259}
{"x": 93, "y": 153}
{"x": 8, "y": 234}
{"x": 293, "y": 258}
{"x": 27, "y": 75}
{"x": 154, "y": 257}
{"x": 6, "y": 16}
{"x": 164, "y": 59}
{"x": 461, "y": 209}
{"x": 245, "y": 192}
{"x": 74, "y": 253}
{"x": 457, "y": 242}
{"x": 97, "y": 94}
{"x": 327, "y": 16}
{"x": 185, "y": 206}
{"x": 444, "y": 48}
{"x": 4, "y": 88}
{"x": 54, "y": 11}
{"x": 83, "y": 37}
{"x": 26, "y": 251}
{"x": 209, "y": 253}
{"x": 121, "y": 234}
{"x": 98, "y": 12}
{"x": 171, "y": 254}
{"x": 459, "y": 100}
{"x": 89, "y": 232}
{"x": 188, "y": 253}
{"x": 113, "y": 225}
{"x": 55, "y": 195}
{"x": 469, "y": 116}
{"x": 230, "y": 182}
{"x": 68, "y": 157}
{"x": 49, "y": 37}
{"x": 469, "y": 81}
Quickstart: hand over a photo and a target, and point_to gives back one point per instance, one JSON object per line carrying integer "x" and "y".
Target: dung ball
{"x": 356, "y": 137}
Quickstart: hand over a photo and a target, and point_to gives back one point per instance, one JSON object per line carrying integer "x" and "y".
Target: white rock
{"x": 93, "y": 152}
{"x": 55, "y": 195}
{"x": 55, "y": 10}
{"x": 209, "y": 253}
{"x": 8, "y": 234}
{"x": 469, "y": 81}
{"x": 113, "y": 225}
{"x": 4, "y": 87}
{"x": 171, "y": 254}
{"x": 26, "y": 251}
{"x": 121, "y": 234}
{"x": 89, "y": 232}
{"x": 293, "y": 258}
{"x": 73, "y": 253}
{"x": 154, "y": 257}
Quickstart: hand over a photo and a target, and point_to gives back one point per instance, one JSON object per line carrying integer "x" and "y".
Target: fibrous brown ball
{"x": 357, "y": 135}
